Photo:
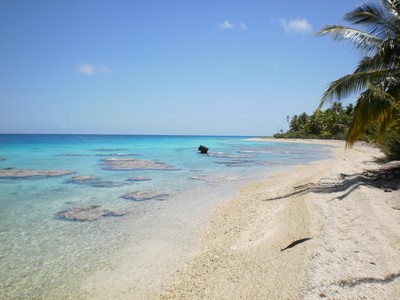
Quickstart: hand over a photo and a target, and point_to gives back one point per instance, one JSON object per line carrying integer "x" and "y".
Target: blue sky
{"x": 219, "y": 67}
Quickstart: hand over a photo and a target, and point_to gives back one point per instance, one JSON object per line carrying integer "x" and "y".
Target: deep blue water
{"x": 45, "y": 256}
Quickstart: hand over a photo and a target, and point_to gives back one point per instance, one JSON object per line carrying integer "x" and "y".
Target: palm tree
{"x": 376, "y": 79}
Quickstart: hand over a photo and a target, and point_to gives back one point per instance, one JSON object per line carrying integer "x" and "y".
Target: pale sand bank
{"x": 353, "y": 252}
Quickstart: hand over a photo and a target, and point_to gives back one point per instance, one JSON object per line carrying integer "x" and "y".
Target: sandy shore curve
{"x": 325, "y": 230}
{"x": 350, "y": 226}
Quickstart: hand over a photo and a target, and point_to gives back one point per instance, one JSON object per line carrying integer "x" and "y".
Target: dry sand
{"x": 353, "y": 223}
{"x": 353, "y": 252}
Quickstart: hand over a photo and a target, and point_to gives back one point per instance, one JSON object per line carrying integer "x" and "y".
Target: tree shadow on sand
{"x": 386, "y": 178}
{"x": 354, "y": 282}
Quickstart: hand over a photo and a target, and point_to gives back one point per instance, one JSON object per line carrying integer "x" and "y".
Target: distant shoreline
{"x": 299, "y": 141}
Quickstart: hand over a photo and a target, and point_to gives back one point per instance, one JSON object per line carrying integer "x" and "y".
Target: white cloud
{"x": 295, "y": 25}
{"x": 243, "y": 26}
{"x": 92, "y": 69}
{"x": 225, "y": 25}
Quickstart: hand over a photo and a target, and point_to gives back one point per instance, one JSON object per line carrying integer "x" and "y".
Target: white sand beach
{"x": 351, "y": 221}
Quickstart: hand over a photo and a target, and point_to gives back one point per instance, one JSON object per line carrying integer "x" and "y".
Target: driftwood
{"x": 295, "y": 243}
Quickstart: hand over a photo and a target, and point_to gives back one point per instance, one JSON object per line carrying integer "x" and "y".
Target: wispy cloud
{"x": 297, "y": 25}
{"x": 228, "y": 25}
{"x": 243, "y": 26}
{"x": 225, "y": 25}
{"x": 92, "y": 69}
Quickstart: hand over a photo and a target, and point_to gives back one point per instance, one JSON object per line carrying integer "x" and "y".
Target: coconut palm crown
{"x": 376, "y": 79}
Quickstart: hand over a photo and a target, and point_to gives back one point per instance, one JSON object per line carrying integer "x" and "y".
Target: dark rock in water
{"x": 94, "y": 182}
{"x": 17, "y": 173}
{"x": 82, "y": 178}
{"x": 211, "y": 180}
{"x": 143, "y": 196}
{"x": 134, "y": 164}
{"x": 203, "y": 149}
{"x": 2, "y": 158}
{"x": 87, "y": 213}
{"x": 138, "y": 179}
{"x": 116, "y": 154}
{"x": 71, "y": 154}
{"x": 109, "y": 149}
{"x": 228, "y": 155}
{"x": 106, "y": 184}
{"x": 243, "y": 163}
{"x": 235, "y": 163}
{"x": 199, "y": 177}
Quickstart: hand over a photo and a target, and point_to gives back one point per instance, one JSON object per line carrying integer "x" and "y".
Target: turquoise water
{"x": 45, "y": 256}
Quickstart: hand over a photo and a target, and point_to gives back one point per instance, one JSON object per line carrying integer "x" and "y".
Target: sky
{"x": 187, "y": 67}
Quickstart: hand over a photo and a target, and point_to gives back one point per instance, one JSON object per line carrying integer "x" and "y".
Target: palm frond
{"x": 377, "y": 77}
{"x": 367, "y": 13}
{"x": 372, "y": 108}
{"x": 362, "y": 41}
{"x": 387, "y": 57}
{"x": 392, "y": 6}
{"x": 376, "y": 19}
{"x": 386, "y": 122}
{"x": 351, "y": 84}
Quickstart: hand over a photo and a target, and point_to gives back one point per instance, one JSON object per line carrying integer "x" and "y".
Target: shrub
{"x": 390, "y": 144}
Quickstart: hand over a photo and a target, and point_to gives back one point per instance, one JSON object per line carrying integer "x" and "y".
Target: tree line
{"x": 332, "y": 123}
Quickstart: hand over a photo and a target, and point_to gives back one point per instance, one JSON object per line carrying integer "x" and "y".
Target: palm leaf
{"x": 362, "y": 41}
{"x": 377, "y": 76}
{"x": 376, "y": 19}
{"x": 387, "y": 57}
{"x": 351, "y": 84}
{"x": 367, "y": 13}
{"x": 388, "y": 119}
{"x": 393, "y": 7}
{"x": 373, "y": 108}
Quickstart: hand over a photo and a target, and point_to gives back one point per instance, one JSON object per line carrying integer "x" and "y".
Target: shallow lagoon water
{"x": 45, "y": 256}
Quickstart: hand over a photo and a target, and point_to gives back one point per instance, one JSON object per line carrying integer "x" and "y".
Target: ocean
{"x": 70, "y": 204}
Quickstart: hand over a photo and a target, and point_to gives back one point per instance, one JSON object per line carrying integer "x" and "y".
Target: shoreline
{"x": 238, "y": 254}
{"x": 299, "y": 141}
{"x": 240, "y": 257}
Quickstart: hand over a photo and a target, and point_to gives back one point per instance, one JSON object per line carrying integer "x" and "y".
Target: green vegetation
{"x": 375, "y": 81}
{"x": 390, "y": 144}
{"x": 332, "y": 123}
{"x": 377, "y": 77}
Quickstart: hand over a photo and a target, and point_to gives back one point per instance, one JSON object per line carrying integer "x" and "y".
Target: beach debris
{"x": 295, "y": 243}
{"x": 203, "y": 149}
{"x": 145, "y": 195}
{"x": 128, "y": 164}
{"x": 87, "y": 213}
{"x": 138, "y": 179}
{"x": 11, "y": 173}
{"x": 94, "y": 181}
